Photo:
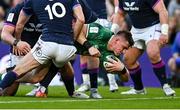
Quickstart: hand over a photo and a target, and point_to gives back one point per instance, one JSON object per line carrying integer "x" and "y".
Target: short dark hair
{"x": 127, "y": 35}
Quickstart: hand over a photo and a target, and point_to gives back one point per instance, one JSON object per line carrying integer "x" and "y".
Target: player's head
{"x": 121, "y": 41}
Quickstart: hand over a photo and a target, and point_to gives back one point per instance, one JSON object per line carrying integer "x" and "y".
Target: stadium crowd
{"x": 97, "y": 23}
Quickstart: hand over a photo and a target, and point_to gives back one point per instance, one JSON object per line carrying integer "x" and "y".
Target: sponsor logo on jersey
{"x": 32, "y": 27}
{"x": 130, "y": 6}
{"x": 10, "y": 17}
{"x": 93, "y": 30}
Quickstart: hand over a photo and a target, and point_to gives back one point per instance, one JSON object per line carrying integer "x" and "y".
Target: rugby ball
{"x": 106, "y": 62}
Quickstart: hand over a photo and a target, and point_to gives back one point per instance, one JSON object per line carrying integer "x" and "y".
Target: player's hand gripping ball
{"x": 107, "y": 63}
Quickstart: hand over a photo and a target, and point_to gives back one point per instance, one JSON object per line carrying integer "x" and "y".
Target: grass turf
{"x": 58, "y": 98}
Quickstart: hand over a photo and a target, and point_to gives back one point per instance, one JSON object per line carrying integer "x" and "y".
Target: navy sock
{"x": 93, "y": 73}
{"x": 83, "y": 68}
{"x": 69, "y": 84}
{"x": 49, "y": 76}
{"x": 160, "y": 72}
{"x": 8, "y": 80}
{"x": 136, "y": 78}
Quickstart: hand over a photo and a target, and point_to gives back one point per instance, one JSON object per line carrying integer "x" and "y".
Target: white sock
{"x": 86, "y": 79}
{"x": 111, "y": 78}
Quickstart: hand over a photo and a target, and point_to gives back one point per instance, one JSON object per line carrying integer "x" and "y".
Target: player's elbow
{"x": 4, "y": 34}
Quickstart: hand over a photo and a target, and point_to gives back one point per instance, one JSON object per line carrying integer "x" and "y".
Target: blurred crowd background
{"x": 173, "y": 7}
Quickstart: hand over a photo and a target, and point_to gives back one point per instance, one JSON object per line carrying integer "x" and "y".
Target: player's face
{"x": 120, "y": 46}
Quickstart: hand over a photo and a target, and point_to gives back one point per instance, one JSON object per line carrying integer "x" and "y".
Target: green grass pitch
{"x": 58, "y": 98}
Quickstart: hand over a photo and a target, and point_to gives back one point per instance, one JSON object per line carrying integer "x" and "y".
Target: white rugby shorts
{"x": 142, "y": 36}
{"x": 60, "y": 54}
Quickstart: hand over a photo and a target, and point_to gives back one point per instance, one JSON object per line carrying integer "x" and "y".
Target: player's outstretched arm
{"x": 83, "y": 41}
{"x": 22, "y": 46}
{"x": 117, "y": 18}
{"x": 116, "y": 66}
{"x": 7, "y": 33}
{"x": 22, "y": 20}
{"x": 78, "y": 14}
{"x": 163, "y": 16}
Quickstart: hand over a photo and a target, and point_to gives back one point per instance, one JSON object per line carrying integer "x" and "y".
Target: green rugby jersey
{"x": 98, "y": 36}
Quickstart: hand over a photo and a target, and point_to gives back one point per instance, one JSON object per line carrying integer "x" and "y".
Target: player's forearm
{"x": 77, "y": 28}
{"x": 80, "y": 20}
{"x": 18, "y": 31}
{"x": 6, "y": 36}
{"x": 22, "y": 20}
{"x": 81, "y": 39}
{"x": 163, "y": 16}
{"x": 118, "y": 18}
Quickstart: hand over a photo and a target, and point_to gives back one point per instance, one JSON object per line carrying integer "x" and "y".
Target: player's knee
{"x": 129, "y": 60}
{"x": 35, "y": 80}
{"x": 154, "y": 55}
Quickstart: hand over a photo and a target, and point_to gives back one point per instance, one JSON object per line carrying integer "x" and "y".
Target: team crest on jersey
{"x": 93, "y": 30}
{"x": 38, "y": 50}
{"x": 130, "y": 6}
{"x": 10, "y": 17}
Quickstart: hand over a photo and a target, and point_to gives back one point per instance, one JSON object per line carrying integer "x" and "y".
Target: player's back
{"x": 56, "y": 17}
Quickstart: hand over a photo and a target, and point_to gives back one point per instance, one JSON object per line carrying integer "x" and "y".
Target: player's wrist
{"x": 116, "y": 9}
{"x": 115, "y": 28}
{"x": 123, "y": 71}
{"x": 87, "y": 45}
{"x": 15, "y": 42}
{"x": 164, "y": 29}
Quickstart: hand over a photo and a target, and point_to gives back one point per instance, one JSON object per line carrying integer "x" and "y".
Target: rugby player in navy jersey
{"x": 174, "y": 61}
{"x": 56, "y": 37}
{"x": 30, "y": 35}
{"x": 90, "y": 70}
{"x": 150, "y": 32}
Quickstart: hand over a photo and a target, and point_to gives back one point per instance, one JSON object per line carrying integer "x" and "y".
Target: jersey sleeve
{"x": 75, "y": 4}
{"x": 27, "y": 9}
{"x": 152, "y": 3}
{"x": 12, "y": 17}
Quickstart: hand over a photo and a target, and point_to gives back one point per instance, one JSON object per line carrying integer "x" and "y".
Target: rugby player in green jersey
{"x": 108, "y": 44}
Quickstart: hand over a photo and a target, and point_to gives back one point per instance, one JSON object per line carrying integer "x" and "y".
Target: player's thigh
{"x": 35, "y": 75}
{"x": 63, "y": 54}
{"x": 153, "y": 51}
{"x": 132, "y": 55}
{"x": 27, "y": 63}
{"x": 93, "y": 62}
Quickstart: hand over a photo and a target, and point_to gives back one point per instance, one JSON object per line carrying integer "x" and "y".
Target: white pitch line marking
{"x": 84, "y": 100}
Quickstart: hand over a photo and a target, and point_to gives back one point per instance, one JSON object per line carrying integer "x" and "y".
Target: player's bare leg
{"x": 134, "y": 69}
{"x": 33, "y": 76}
{"x": 93, "y": 69}
{"x": 27, "y": 64}
{"x": 85, "y": 86}
{"x": 67, "y": 75}
{"x": 153, "y": 51}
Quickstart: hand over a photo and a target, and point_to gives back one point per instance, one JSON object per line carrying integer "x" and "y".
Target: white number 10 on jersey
{"x": 52, "y": 11}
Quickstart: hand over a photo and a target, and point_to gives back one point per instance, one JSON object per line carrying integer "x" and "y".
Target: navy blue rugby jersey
{"x": 56, "y": 17}
{"x": 99, "y": 7}
{"x": 32, "y": 29}
{"x": 141, "y": 12}
{"x": 89, "y": 15}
